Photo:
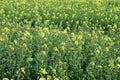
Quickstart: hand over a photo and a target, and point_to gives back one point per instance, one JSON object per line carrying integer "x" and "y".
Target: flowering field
{"x": 59, "y": 39}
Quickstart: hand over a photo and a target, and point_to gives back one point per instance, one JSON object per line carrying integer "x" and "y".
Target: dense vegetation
{"x": 59, "y": 40}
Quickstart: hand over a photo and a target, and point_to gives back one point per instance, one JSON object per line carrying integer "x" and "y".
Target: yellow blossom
{"x": 44, "y": 45}
{"x": 45, "y": 29}
{"x": 42, "y": 78}
{"x": 15, "y": 41}
{"x": 76, "y": 43}
{"x": 63, "y": 48}
{"x": 99, "y": 66}
{"x": 115, "y": 26}
{"x": 5, "y": 79}
{"x": 80, "y": 37}
{"x": 107, "y": 49}
{"x": 22, "y": 69}
{"x": 116, "y": 17}
{"x": 48, "y": 77}
{"x": 63, "y": 43}
{"x": 30, "y": 59}
{"x": 43, "y": 71}
{"x": 26, "y": 33}
{"x": 46, "y": 21}
{"x": 55, "y": 49}
{"x": 118, "y": 59}
{"x": 24, "y": 45}
{"x": 11, "y": 47}
{"x": 1, "y": 39}
{"x": 73, "y": 36}
{"x": 111, "y": 63}
{"x": 6, "y": 29}
{"x": 77, "y": 22}
{"x": 118, "y": 65}
{"x": 54, "y": 71}
{"x": 56, "y": 78}
{"x": 41, "y": 34}
{"x": 92, "y": 63}
{"x": 43, "y": 52}
{"x": 71, "y": 48}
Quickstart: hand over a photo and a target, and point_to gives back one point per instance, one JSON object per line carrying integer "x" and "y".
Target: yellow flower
{"x": 63, "y": 43}
{"x": 71, "y": 48}
{"x": 5, "y": 79}
{"x": 76, "y": 43}
{"x": 107, "y": 49}
{"x": 15, "y": 41}
{"x": 24, "y": 45}
{"x": 48, "y": 77}
{"x": 46, "y": 21}
{"x": 77, "y": 22}
{"x": 99, "y": 66}
{"x": 55, "y": 49}
{"x": 115, "y": 26}
{"x": 6, "y": 29}
{"x": 43, "y": 52}
{"x": 1, "y": 39}
{"x": 45, "y": 29}
{"x": 118, "y": 65}
{"x": 92, "y": 63}
{"x": 54, "y": 71}
{"x": 30, "y": 59}
{"x": 42, "y": 34}
{"x": 97, "y": 52}
{"x": 63, "y": 48}
{"x": 60, "y": 63}
{"x": 26, "y": 33}
{"x": 22, "y": 69}
{"x": 11, "y": 47}
{"x": 64, "y": 32}
{"x": 42, "y": 78}
{"x": 44, "y": 45}
{"x": 56, "y": 78}
{"x": 73, "y": 36}
{"x": 111, "y": 63}
{"x": 116, "y": 17}
{"x": 118, "y": 59}
{"x": 80, "y": 37}
{"x": 24, "y": 38}
{"x": 43, "y": 71}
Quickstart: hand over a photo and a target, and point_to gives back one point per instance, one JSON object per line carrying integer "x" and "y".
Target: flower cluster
{"x": 59, "y": 40}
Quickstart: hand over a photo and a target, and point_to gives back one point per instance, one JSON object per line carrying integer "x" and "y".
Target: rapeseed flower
{"x": 118, "y": 59}
{"x": 54, "y": 71}
{"x": 76, "y": 43}
{"x": 118, "y": 65}
{"x": 56, "y": 78}
{"x": 22, "y": 69}
{"x": 48, "y": 77}
{"x": 26, "y": 33}
{"x": 42, "y": 78}
{"x": 5, "y": 79}
{"x": 1, "y": 39}
{"x": 41, "y": 34}
{"x": 99, "y": 66}
{"x": 43, "y": 71}
{"x": 11, "y": 47}
{"x": 55, "y": 49}
{"x": 63, "y": 48}
{"x": 43, "y": 52}
{"x": 111, "y": 63}
{"x": 116, "y": 17}
{"x": 73, "y": 36}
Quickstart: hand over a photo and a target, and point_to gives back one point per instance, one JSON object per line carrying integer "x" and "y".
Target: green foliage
{"x": 59, "y": 40}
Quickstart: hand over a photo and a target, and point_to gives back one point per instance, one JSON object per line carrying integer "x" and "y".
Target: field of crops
{"x": 59, "y": 39}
